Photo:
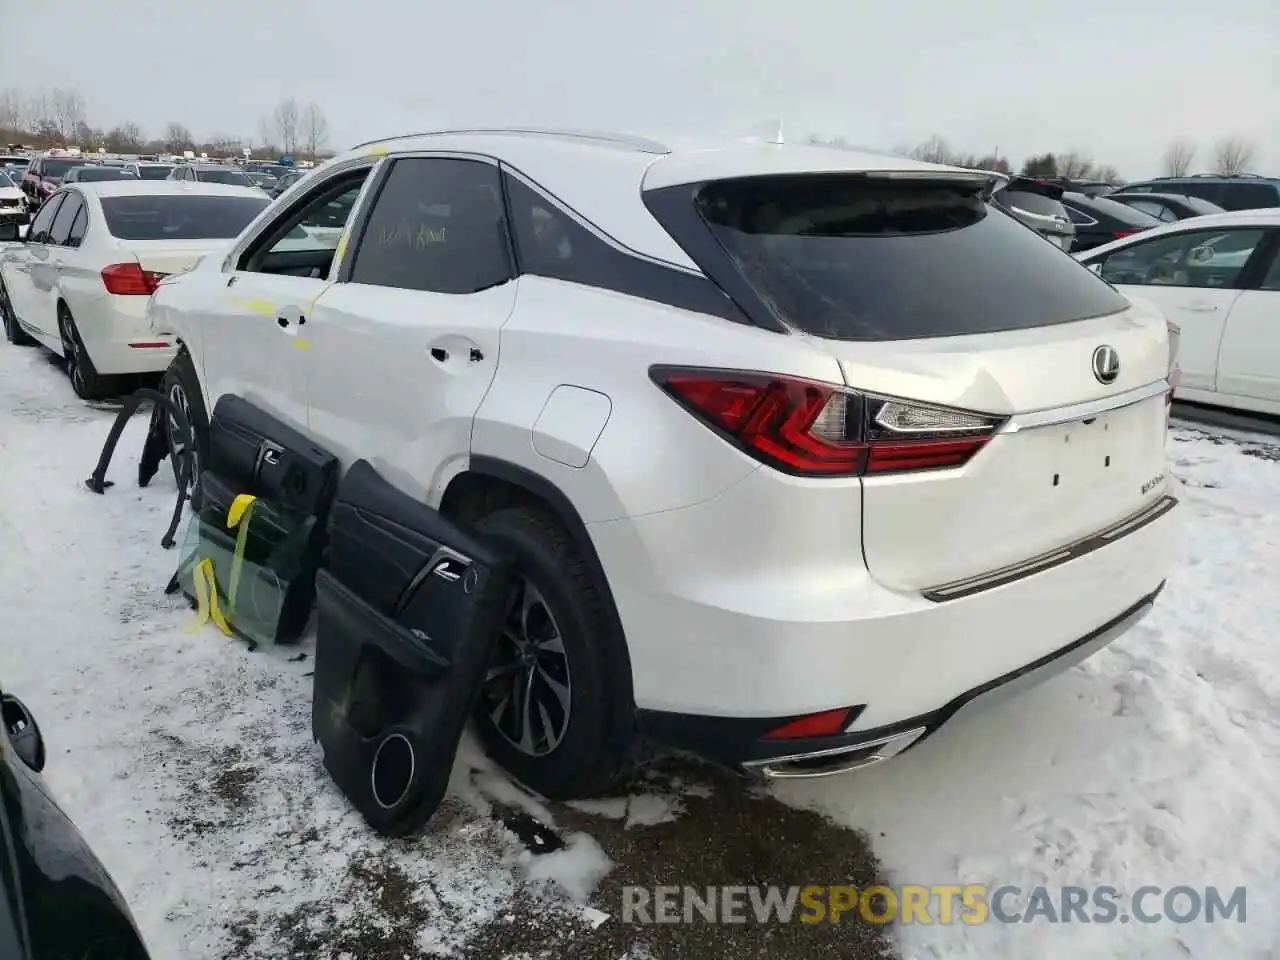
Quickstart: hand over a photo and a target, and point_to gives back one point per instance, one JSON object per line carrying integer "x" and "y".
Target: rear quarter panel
{"x": 652, "y": 455}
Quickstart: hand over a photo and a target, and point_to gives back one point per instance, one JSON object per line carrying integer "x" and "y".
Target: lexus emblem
{"x": 1106, "y": 364}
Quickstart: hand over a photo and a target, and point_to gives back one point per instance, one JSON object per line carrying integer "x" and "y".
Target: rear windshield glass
{"x": 854, "y": 259}
{"x": 1036, "y": 203}
{"x": 179, "y": 218}
{"x": 90, "y": 174}
{"x": 154, "y": 173}
{"x": 234, "y": 177}
{"x": 1102, "y": 207}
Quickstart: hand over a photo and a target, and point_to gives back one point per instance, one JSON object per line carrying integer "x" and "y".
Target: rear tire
{"x": 589, "y": 657}
{"x": 181, "y": 385}
{"x": 85, "y": 379}
{"x": 13, "y": 332}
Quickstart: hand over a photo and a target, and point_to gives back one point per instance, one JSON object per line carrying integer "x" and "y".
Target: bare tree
{"x": 1178, "y": 157}
{"x": 224, "y": 143}
{"x": 267, "y": 135}
{"x": 285, "y": 120}
{"x": 1108, "y": 172}
{"x": 131, "y": 137}
{"x": 933, "y": 150}
{"x": 177, "y": 137}
{"x": 1233, "y": 155}
{"x": 66, "y": 111}
{"x": 315, "y": 130}
{"x": 1075, "y": 164}
{"x": 11, "y": 110}
{"x": 40, "y": 114}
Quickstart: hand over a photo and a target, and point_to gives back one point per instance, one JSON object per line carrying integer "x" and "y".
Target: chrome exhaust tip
{"x": 834, "y": 761}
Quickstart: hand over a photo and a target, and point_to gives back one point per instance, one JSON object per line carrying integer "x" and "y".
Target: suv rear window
{"x": 179, "y": 218}
{"x": 849, "y": 258}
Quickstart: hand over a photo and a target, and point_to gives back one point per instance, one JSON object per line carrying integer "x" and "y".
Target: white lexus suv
{"x": 799, "y": 451}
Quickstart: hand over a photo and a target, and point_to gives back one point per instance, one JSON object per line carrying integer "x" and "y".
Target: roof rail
{"x": 640, "y": 144}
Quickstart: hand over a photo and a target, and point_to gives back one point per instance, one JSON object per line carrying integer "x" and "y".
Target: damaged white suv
{"x": 798, "y": 451}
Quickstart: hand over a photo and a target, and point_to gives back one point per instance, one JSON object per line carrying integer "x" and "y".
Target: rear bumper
{"x": 737, "y": 743}
{"x": 754, "y": 608}
{"x": 118, "y": 340}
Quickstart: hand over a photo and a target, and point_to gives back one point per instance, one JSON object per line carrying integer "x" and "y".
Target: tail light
{"x": 129, "y": 279}
{"x": 807, "y": 428}
{"x": 1121, "y": 234}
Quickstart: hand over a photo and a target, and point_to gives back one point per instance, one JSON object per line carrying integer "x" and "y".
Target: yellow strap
{"x": 236, "y": 512}
{"x": 238, "y": 516}
{"x": 207, "y": 607}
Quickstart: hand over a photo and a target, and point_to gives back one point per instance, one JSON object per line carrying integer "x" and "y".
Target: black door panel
{"x": 409, "y": 613}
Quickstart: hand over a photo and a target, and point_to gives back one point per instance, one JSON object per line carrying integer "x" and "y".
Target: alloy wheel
{"x": 178, "y": 440}
{"x": 526, "y": 690}
{"x": 71, "y": 356}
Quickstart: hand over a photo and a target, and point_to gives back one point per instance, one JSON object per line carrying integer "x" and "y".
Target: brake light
{"x": 129, "y": 279}
{"x": 808, "y": 428}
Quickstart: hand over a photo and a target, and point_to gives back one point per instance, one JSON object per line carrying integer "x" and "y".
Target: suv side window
{"x": 1203, "y": 258}
{"x": 437, "y": 225}
{"x": 39, "y": 230}
{"x": 1251, "y": 196}
{"x": 1272, "y": 280}
{"x": 61, "y": 229}
{"x": 303, "y": 241}
{"x": 550, "y": 243}
{"x": 1210, "y": 190}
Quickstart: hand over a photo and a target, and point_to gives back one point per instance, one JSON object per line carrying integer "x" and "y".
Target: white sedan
{"x": 1218, "y": 278}
{"x": 94, "y": 254}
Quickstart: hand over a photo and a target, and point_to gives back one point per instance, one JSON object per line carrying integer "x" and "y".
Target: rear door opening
{"x": 951, "y": 322}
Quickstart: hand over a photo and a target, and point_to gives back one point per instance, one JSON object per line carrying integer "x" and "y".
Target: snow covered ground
{"x": 188, "y": 764}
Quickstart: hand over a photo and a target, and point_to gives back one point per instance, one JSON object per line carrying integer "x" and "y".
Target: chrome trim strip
{"x": 1083, "y": 411}
{"x": 775, "y": 768}
{"x": 1017, "y": 571}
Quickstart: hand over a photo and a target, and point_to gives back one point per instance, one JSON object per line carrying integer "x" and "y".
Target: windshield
{"x": 179, "y": 217}
{"x": 850, "y": 258}
{"x": 156, "y": 172}
{"x": 7, "y": 178}
{"x": 56, "y": 169}
{"x": 90, "y": 174}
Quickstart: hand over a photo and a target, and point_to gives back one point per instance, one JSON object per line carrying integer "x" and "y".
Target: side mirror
{"x": 10, "y": 233}
{"x": 23, "y": 733}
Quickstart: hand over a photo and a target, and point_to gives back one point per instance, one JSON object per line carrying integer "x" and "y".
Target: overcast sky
{"x": 1120, "y": 79}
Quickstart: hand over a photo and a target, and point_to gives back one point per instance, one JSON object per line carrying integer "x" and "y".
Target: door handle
{"x": 1201, "y": 308}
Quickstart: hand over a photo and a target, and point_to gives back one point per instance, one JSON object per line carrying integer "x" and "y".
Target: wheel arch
{"x": 490, "y": 484}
